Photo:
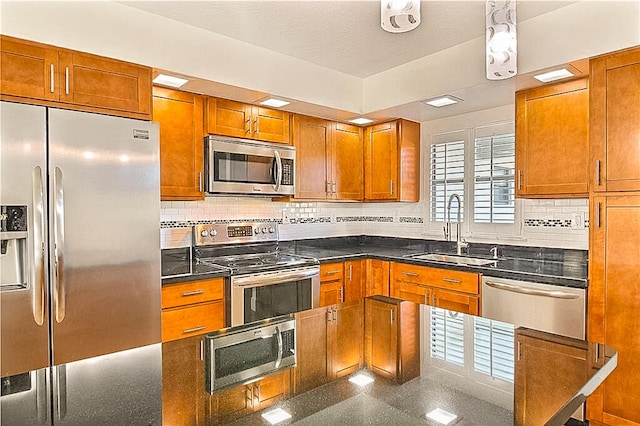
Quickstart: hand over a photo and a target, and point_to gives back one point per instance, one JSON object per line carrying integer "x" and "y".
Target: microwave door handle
{"x": 278, "y": 170}
{"x": 279, "y": 337}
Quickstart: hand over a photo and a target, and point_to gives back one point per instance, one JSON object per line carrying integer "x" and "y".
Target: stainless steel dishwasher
{"x": 551, "y": 308}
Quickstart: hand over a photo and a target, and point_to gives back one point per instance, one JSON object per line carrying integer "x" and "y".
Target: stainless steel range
{"x": 264, "y": 282}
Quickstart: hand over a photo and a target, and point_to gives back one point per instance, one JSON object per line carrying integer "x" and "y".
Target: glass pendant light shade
{"x": 399, "y": 16}
{"x": 502, "y": 52}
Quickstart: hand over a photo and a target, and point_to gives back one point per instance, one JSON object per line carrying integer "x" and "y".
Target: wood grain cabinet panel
{"x": 47, "y": 75}
{"x": 181, "y": 144}
{"x": 613, "y": 304}
{"x": 552, "y": 140}
{"x": 355, "y": 274}
{"x": 377, "y": 277}
{"x": 615, "y": 121}
{"x": 331, "y": 283}
{"x": 192, "y": 308}
{"x": 236, "y": 119}
{"x": 329, "y": 159}
{"x": 392, "y": 162}
{"x": 392, "y": 338}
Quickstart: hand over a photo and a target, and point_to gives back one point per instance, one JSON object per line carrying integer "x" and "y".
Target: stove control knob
{"x": 213, "y": 233}
{"x": 264, "y": 230}
{"x": 271, "y": 230}
{"x": 256, "y": 231}
{"x": 204, "y": 233}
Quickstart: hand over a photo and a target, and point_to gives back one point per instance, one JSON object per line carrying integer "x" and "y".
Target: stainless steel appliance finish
{"x": 237, "y": 166}
{"x": 249, "y": 352}
{"x": 264, "y": 283}
{"x": 90, "y": 184}
{"x": 555, "y": 309}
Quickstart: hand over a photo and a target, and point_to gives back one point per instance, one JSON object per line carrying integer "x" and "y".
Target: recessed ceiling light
{"x": 441, "y": 416}
{"x": 442, "y": 101}
{"x": 276, "y": 416}
{"x": 361, "y": 120}
{"x": 275, "y": 103}
{"x": 169, "y": 80}
{"x": 361, "y": 379}
{"x": 553, "y": 75}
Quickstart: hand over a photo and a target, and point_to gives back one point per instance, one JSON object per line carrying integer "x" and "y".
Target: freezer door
{"x": 23, "y": 296}
{"x": 104, "y": 234}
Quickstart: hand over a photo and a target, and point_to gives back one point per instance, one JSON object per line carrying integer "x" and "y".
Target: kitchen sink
{"x": 450, "y": 258}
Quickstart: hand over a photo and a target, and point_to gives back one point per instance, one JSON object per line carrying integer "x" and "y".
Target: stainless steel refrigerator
{"x": 80, "y": 268}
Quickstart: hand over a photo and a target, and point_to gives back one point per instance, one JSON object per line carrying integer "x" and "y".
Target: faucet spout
{"x": 460, "y": 243}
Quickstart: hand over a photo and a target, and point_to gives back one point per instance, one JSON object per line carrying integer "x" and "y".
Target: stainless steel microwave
{"x": 242, "y": 167}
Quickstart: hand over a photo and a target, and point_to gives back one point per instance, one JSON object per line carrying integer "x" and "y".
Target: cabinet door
{"x": 354, "y": 279}
{"x": 409, "y": 291}
{"x": 547, "y": 372}
{"x": 271, "y": 389}
{"x": 346, "y": 338}
{"x": 270, "y": 125}
{"x": 311, "y": 368}
{"x": 331, "y": 292}
{"x": 613, "y": 304}
{"x": 228, "y": 118}
{"x": 225, "y": 406}
{"x": 346, "y": 158}
{"x": 381, "y": 162}
{"x": 377, "y": 281}
{"x": 552, "y": 140}
{"x": 104, "y": 83}
{"x": 191, "y": 320}
{"x": 28, "y": 70}
{"x": 182, "y": 383}
{"x": 455, "y": 301}
{"x": 311, "y": 137}
{"x": 615, "y": 121}
{"x": 192, "y": 292}
{"x": 381, "y": 341}
{"x": 181, "y": 144}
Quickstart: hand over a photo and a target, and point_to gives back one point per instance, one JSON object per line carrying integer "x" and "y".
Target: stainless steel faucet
{"x": 460, "y": 243}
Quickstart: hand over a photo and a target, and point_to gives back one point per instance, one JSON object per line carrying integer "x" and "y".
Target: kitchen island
{"x": 482, "y": 371}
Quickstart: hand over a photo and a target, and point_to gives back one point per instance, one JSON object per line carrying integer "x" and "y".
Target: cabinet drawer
{"x": 467, "y": 282}
{"x": 192, "y": 320}
{"x": 331, "y": 271}
{"x": 192, "y": 292}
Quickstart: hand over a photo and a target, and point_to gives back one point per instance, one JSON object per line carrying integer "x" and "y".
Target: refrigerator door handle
{"x": 60, "y": 397}
{"x": 58, "y": 246}
{"x": 37, "y": 272}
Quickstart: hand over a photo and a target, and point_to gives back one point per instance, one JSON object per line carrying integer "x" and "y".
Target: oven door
{"x": 247, "y": 168}
{"x": 249, "y": 353}
{"x": 255, "y": 297}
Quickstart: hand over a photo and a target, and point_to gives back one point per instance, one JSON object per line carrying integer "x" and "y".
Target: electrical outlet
{"x": 577, "y": 221}
{"x": 285, "y": 216}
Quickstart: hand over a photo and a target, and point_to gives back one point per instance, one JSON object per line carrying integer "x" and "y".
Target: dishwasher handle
{"x": 531, "y": 291}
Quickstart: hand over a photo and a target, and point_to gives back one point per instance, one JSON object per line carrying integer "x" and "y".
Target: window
{"x": 494, "y": 178}
{"x": 446, "y": 178}
{"x": 447, "y": 336}
{"x": 493, "y": 348}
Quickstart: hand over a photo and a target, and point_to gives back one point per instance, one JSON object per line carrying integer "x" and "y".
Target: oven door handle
{"x": 275, "y": 277}
{"x": 279, "y": 337}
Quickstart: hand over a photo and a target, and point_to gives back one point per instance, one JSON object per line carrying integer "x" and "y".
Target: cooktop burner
{"x": 248, "y": 247}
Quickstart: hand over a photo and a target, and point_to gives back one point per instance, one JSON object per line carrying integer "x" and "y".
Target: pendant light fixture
{"x": 399, "y": 16}
{"x": 502, "y": 53}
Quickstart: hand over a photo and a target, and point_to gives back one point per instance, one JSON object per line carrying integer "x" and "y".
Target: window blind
{"x": 446, "y": 178}
{"x": 493, "y": 348}
{"x": 447, "y": 336}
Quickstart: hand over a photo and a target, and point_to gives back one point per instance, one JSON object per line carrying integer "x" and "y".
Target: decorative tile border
{"x": 190, "y": 223}
{"x": 296, "y": 221}
{"x": 548, "y": 223}
{"x": 384, "y": 219}
{"x": 408, "y": 219}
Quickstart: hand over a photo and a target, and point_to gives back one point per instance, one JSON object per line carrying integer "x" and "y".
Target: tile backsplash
{"x": 559, "y": 223}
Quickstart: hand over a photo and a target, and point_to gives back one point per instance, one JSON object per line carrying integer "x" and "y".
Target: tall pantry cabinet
{"x": 614, "y": 287}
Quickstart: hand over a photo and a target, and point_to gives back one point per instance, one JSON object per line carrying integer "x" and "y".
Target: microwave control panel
{"x": 287, "y": 172}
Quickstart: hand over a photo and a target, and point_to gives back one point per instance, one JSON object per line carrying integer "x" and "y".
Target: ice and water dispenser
{"x": 13, "y": 249}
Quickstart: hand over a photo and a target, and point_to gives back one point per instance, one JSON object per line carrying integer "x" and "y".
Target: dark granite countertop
{"x": 562, "y": 267}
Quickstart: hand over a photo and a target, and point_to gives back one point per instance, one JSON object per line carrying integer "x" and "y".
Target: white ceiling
{"x": 341, "y": 35}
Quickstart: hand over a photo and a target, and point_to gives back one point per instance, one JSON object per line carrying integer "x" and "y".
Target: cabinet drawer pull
{"x": 519, "y": 180}
{"x": 451, "y": 280}
{"x": 410, "y": 274}
{"x": 597, "y": 172}
{"x": 194, "y": 329}
{"x": 598, "y": 215}
{"x": 66, "y": 80}
{"x": 53, "y": 80}
{"x": 332, "y": 272}
{"x": 342, "y": 294}
{"x": 192, "y": 293}
{"x": 391, "y": 189}
{"x": 350, "y": 272}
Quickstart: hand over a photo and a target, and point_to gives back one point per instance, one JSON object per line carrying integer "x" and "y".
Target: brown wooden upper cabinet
{"x": 329, "y": 159}
{"x": 615, "y": 121}
{"x": 552, "y": 140}
{"x": 46, "y": 75}
{"x": 392, "y": 162}
{"x": 181, "y": 143}
{"x": 236, "y": 119}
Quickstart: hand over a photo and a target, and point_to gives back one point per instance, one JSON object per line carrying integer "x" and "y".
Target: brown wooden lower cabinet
{"x": 183, "y": 393}
{"x": 330, "y": 344}
{"x": 377, "y": 278}
{"x": 548, "y": 371}
{"x": 223, "y": 407}
{"x": 331, "y": 283}
{"x": 392, "y": 338}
